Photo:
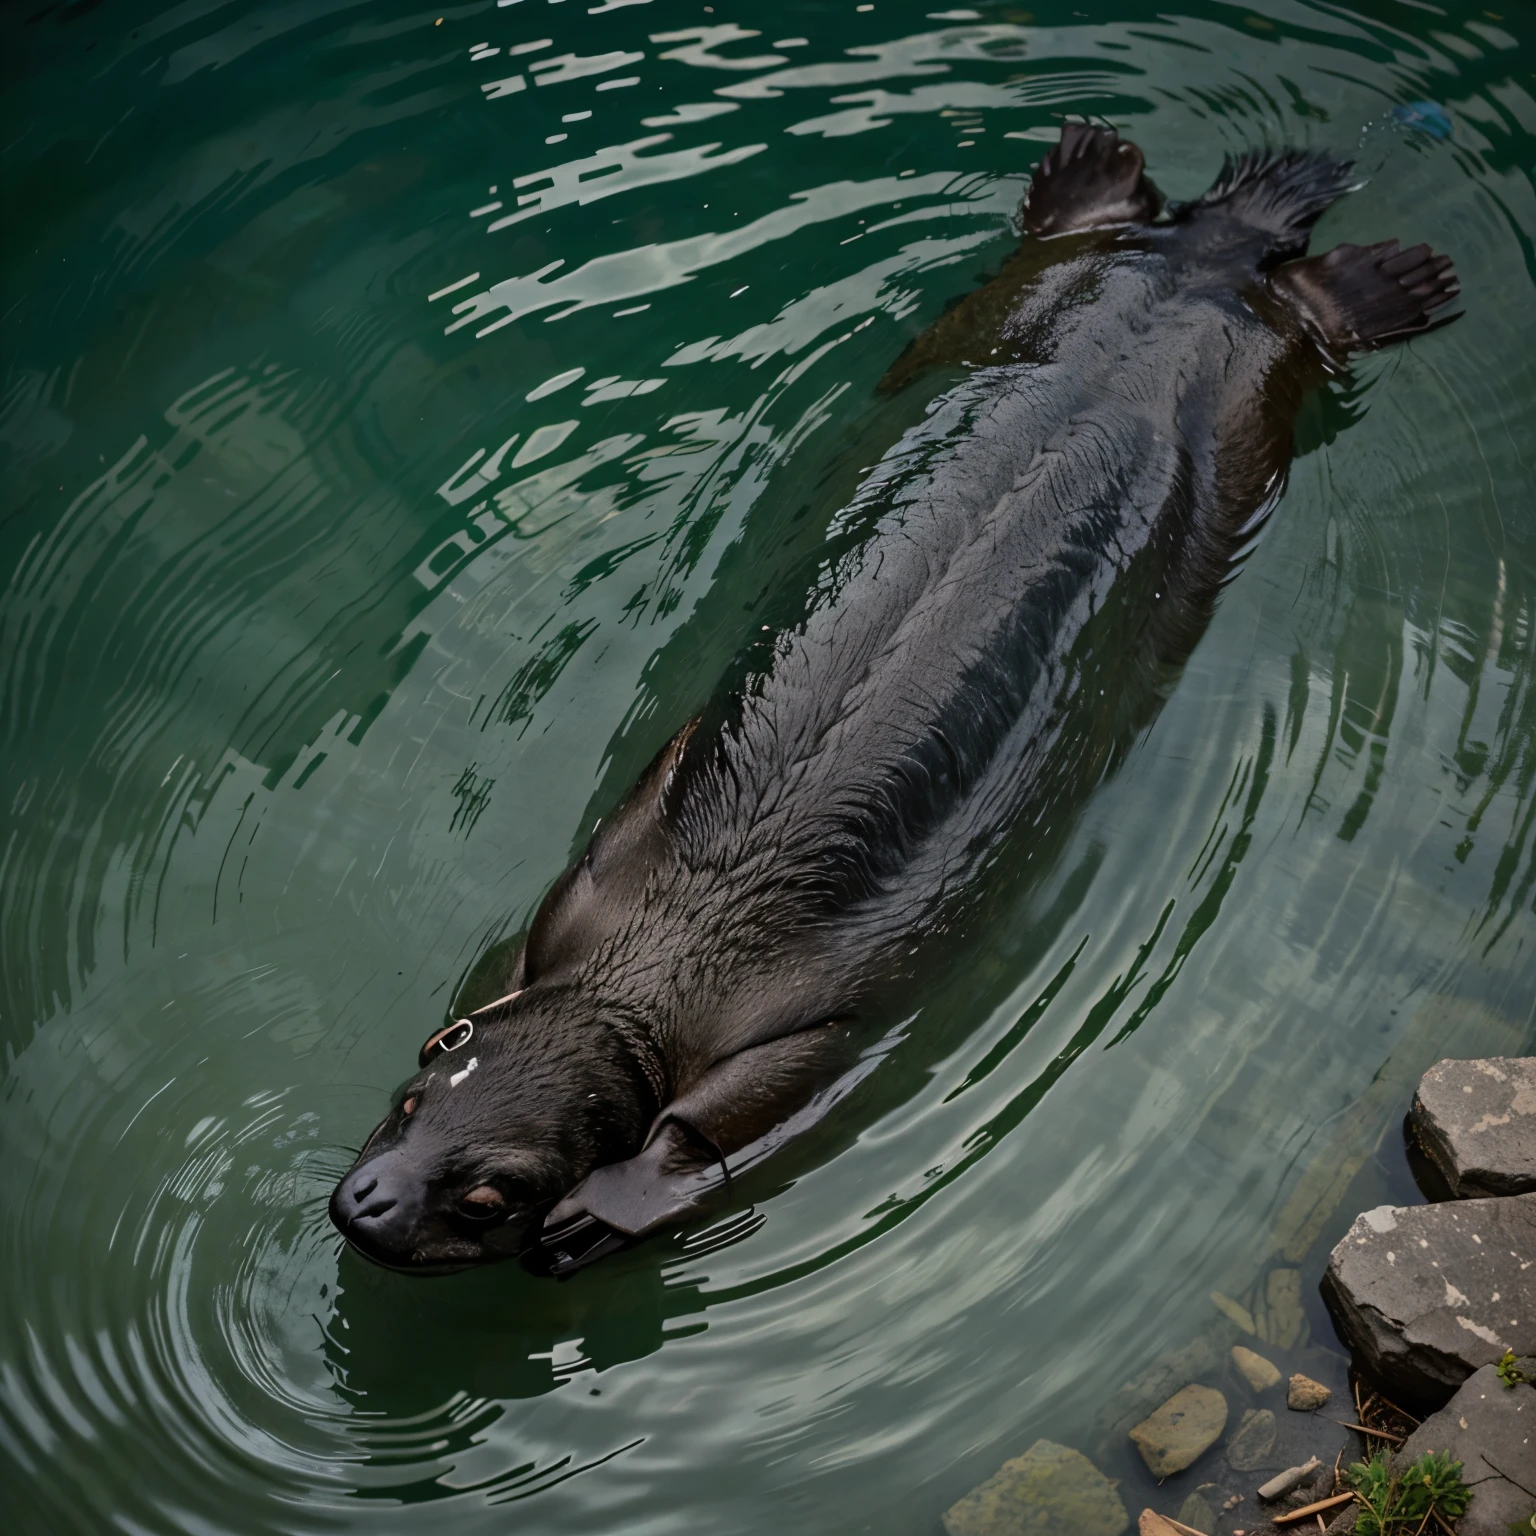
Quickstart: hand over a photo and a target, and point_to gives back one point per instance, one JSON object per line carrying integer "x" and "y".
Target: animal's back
{"x": 1055, "y": 530}
{"x": 902, "y": 726}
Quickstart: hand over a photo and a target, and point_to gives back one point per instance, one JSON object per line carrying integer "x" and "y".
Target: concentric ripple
{"x": 405, "y": 416}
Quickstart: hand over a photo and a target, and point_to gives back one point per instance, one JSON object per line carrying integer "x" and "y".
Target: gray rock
{"x": 1491, "y": 1430}
{"x": 1188, "y": 1424}
{"x": 1051, "y": 1490}
{"x": 1253, "y": 1445}
{"x": 1426, "y": 1294}
{"x": 1476, "y": 1121}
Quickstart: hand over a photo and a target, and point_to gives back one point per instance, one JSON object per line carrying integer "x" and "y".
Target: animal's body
{"x": 1040, "y": 550}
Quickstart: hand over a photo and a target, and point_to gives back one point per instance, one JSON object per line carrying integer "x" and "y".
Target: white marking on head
{"x": 458, "y": 1077}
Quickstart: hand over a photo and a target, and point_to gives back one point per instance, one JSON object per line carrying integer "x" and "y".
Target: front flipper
{"x": 1091, "y": 178}
{"x": 732, "y": 1105}
{"x": 665, "y": 1181}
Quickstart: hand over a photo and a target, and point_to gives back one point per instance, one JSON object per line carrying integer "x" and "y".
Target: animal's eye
{"x": 409, "y": 1107}
{"x": 483, "y": 1202}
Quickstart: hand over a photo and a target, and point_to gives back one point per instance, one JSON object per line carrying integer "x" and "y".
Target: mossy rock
{"x": 1051, "y": 1490}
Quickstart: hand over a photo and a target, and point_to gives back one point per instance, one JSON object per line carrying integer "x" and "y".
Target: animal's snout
{"x": 377, "y": 1207}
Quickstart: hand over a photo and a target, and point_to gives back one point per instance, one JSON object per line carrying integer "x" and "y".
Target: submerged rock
{"x": 1253, "y": 1446}
{"x": 1424, "y": 1295}
{"x": 1189, "y": 1423}
{"x": 1235, "y": 1311}
{"x": 1259, "y": 1373}
{"x": 1304, "y": 1395}
{"x": 1051, "y": 1490}
{"x": 1299, "y": 1438}
{"x": 1129, "y": 1404}
{"x": 1197, "y": 1511}
{"x": 1491, "y": 1430}
{"x": 1283, "y": 1315}
{"x": 1476, "y": 1121}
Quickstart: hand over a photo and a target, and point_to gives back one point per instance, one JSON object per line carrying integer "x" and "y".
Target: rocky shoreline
{"x": 1252, "y": 1429}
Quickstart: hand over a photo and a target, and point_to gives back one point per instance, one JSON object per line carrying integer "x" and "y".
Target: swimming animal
{"x": 1035, "y": 556}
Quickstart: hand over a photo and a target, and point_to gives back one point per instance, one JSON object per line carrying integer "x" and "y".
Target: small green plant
{"x": 1401, "y": 1504}
{"x": 1433, "y": 1482}
{"x": 1372, "y": 1480}
{"x": 1509, "y": 1372}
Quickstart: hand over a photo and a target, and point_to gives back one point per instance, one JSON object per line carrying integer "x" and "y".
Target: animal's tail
{"x": 1279, "y": 193}
{"x": 1353, "y": 299}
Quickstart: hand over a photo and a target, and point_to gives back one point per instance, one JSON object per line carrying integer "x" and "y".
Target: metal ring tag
{"x": 462, "y": 1032}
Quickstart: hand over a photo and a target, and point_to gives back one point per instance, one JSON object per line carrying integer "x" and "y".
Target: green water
{"x": 292, "y": 729}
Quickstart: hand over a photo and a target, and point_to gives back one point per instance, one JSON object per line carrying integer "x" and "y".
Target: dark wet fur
{"x": 1043, "y": 550}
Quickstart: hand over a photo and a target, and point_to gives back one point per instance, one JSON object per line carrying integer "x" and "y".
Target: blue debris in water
{"x": 1428, "y": 116}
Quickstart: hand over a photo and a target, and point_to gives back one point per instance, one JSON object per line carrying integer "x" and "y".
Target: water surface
{"x": 302, "y": 707}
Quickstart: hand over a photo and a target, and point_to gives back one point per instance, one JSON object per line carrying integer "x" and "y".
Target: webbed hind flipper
{"x": 1090, "y": 178}
{"x": 1359, "y": 297}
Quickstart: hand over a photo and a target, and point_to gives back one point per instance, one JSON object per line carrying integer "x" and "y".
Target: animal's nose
{"x": 376, "y": 1206}
{"x": 362, "y": 1207}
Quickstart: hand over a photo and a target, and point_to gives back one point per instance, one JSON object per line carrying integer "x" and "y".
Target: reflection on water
{"x": 404, "y": 423}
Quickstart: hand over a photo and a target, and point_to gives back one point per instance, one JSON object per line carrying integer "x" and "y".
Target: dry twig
{"x": 1179, "y": 1525}
{"x": 1402, "y": 1413}
{"x": 1312, "y": 1509}
{"x": 1365, "y": 1429}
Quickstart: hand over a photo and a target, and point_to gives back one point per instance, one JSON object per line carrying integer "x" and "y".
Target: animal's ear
{"x": 1092, "y": 177}
{"x": 597, "y": 893}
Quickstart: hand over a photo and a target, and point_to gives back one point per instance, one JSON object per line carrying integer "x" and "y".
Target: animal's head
{"x": 505, "y": 1115}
